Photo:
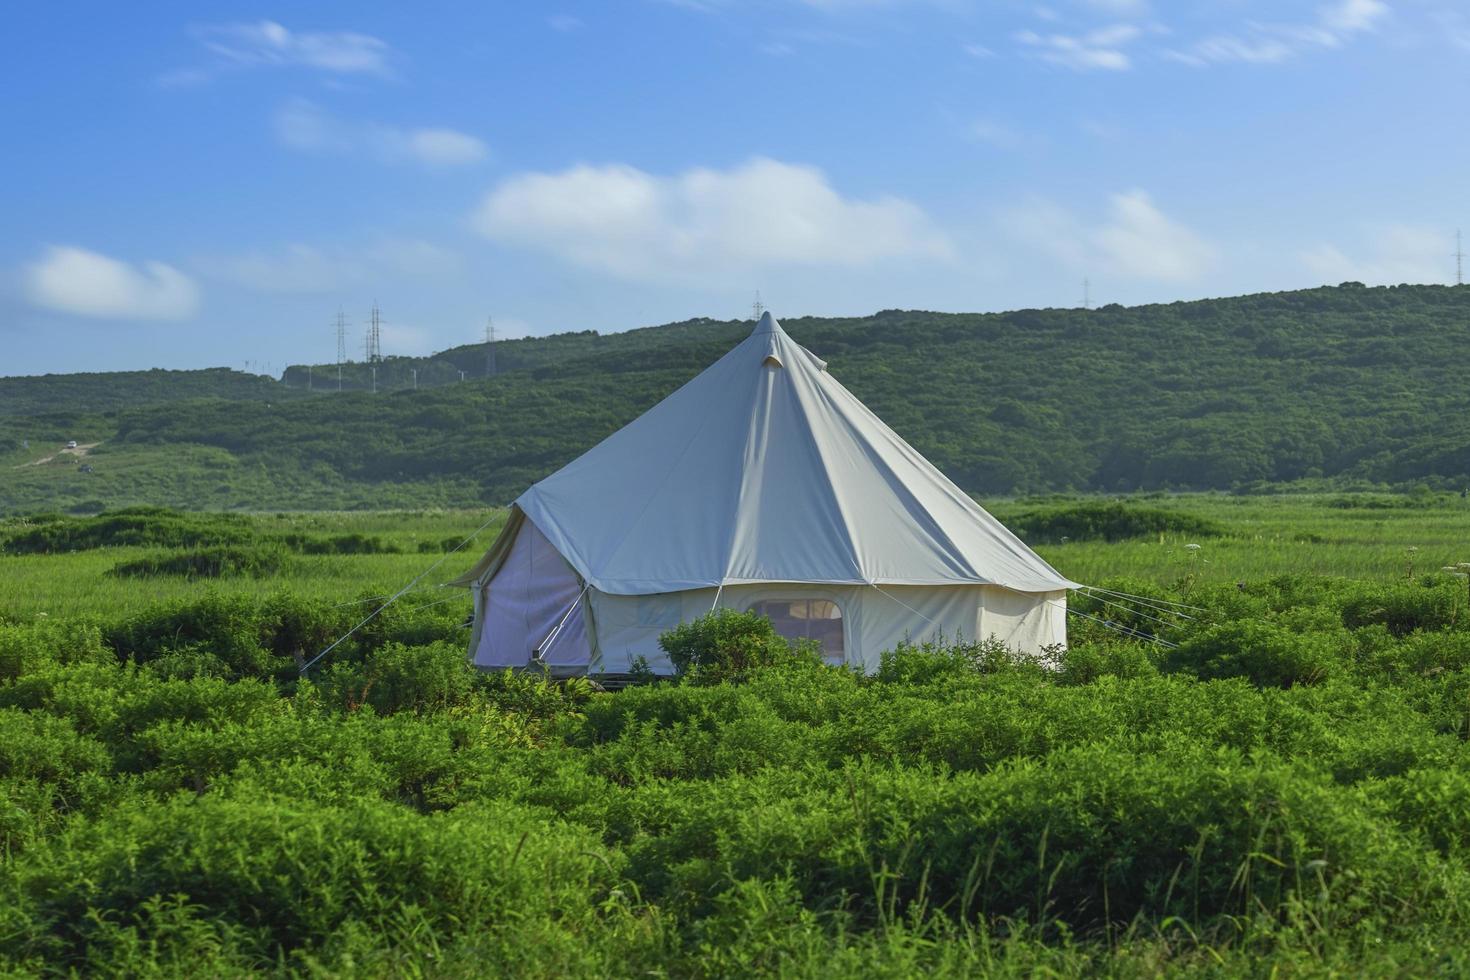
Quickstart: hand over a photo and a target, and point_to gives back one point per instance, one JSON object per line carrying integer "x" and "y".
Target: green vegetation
{"x": 207, "y": 563}
{"x": 1107, "y": 521}
{"x": 108, "y": 391}
{"x": 1345, "y": 388}
{"x": 728, "y": 645}
{"x": 1278, "y": 786}
{"x": 159, "y": 526}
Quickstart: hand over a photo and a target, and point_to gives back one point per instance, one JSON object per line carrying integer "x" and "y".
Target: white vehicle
{"x": 71, "y": 444}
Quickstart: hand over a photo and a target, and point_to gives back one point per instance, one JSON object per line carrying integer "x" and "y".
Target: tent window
{"x": 807, "y": 619}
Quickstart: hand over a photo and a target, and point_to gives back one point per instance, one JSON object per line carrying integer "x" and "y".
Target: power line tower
{"x": 341, "y": 336}
{"x": 373, "y": 345}
{"x": 489, "y": 347}
{"x": 1087, "y": 294}
{"x": 1459, "y": 260}
{"x": 341, "y": 344}
{"x": 757, "y": 308}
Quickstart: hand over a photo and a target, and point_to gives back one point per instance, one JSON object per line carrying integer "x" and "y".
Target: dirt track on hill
{"x": 79, "y": 452}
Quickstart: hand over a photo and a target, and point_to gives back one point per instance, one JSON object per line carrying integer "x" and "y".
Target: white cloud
{"x": 1335, "y": 24}
{"x": 266, "y": 43}
{"x": 1142, "y": 241}
{"x": 1349, "y": 16}
{"x": 1223, "y": 48}
{"x": 303, "y": 125}
{"x": 1136, "y": 241}
{"x": 301, "y": 268}
{"x": 76, "y": 280}
{"x": 978, "y": 51}
{"x": 702, "y": 225}
{"x": 437, "y": 147}
{"x": 1400, "y": 253}
{"x": 1101, "y": 49}
{"x": 565, "y": 22}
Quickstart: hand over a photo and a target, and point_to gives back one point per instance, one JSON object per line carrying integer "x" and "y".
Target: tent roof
{"x": 764, "y": 469}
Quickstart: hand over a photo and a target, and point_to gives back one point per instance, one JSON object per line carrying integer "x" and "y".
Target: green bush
{"x": 1108, "y": 521}
{"x": 1406, "y": 608}
{"x": 258, "y": 562}
{"x": 26, "y": 648}
{"x": 130, "y": 526}
{"x": 278, "y": 881}
{"x": 1265, "y": 654}
{"x": 727, "y": 645}
{"x": 396, "y": 677}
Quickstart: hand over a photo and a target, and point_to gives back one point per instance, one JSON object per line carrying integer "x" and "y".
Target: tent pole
{"x": 550, "y": 638}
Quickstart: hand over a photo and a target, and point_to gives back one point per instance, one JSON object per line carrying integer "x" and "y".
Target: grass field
{"x": 1351, "y": 536}
{"x": 1278, "y": 785}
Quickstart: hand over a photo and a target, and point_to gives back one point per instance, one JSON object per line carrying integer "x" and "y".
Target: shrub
{"x": 1088, "y": 836}
{"x": 396, "y": 677}
{"x": 1406, "y": 608}
{"x": 1108, "y": 521}
{"x": 1085, "y": 664}
{"x": 278, "y": 880}
{"x": 936, "y": 660}
{"x": 218, "y": 562}
{"x": 727, "y": 645}
{"x": 1265, "y": 654}
{"x": 340, "y": 544}
{"x": 28, "y": 647}
{"x": 229, "y": 627}
{"x": 132, "y": 526}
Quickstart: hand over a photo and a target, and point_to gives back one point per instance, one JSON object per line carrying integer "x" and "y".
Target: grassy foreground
{"x": 1278, "y": 785}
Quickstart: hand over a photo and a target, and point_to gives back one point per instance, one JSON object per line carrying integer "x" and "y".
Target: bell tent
{"x": 763, "y": 485}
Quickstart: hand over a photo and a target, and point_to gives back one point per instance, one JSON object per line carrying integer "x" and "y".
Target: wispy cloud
{"x": 1400, "y": 253}
{"x": 702, "y": 225}
{"x": 75, "y": 280}
{"x": 1266, "y": 43}
{"x": 565, "y": 23}
{"x": 1136, "y": 240}
{"x": 268, "y": 44}
{"x": 304, "y": 125}
{"x": 1101, "y": 49}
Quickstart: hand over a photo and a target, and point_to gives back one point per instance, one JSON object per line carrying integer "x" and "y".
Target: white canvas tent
{"x": 764, "y": 484}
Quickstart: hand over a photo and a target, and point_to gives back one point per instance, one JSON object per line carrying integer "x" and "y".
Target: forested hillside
{"x": 110, "y": 390}
{"x": 1342, "y": 386}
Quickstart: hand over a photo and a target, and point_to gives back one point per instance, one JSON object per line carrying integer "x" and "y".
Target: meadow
{"x": 1259, "y": 770}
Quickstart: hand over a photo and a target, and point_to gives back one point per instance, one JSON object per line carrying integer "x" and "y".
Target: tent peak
{"x": 766, "y": 324}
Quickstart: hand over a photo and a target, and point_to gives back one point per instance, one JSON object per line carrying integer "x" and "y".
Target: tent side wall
{"x": 524, "y": 601}
{"x": 626, "y": 628}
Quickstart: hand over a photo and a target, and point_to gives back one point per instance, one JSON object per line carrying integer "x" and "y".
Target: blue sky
{"x": 188, "y": 184}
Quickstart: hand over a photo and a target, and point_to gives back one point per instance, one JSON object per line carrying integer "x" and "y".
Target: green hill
{"x": 1343, "y": 386}
{"x": 111, "y": 390}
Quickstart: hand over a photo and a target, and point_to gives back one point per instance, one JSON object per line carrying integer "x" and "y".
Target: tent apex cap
{"x": 766, "y": 324}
